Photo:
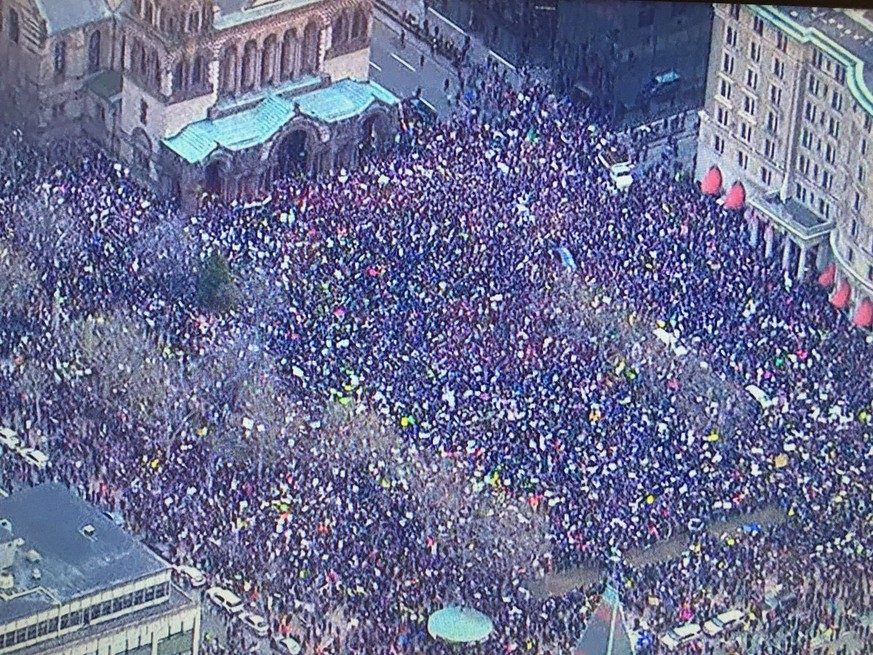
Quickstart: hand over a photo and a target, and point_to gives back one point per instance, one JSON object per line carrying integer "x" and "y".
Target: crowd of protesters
{"x": 426, "y": 285}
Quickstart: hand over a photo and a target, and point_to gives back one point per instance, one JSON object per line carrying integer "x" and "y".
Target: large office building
{"x": 216, "y": 95}
{"x": 73, "y": 583}
{"x": 787, "y": 127}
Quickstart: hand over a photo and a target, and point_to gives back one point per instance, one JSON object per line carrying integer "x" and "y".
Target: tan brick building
{"x": 788, "y": 117}
{"x": 198, "y": 94}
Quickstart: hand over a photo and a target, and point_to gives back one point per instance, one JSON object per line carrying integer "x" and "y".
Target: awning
{"x": 826, "y": 278}
{"x": 711, "y": 183}
{"x": 736, "y": 197}
{"x": 841, "y": 298}
{"x": 864, "y": 314}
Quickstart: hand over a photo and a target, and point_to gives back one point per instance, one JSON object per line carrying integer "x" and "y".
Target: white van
{"x": 619, "y": 166}
{"x": 723, "y": 622}
{"x": 680, "y": 635}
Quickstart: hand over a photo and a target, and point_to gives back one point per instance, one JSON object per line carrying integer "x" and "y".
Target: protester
{"x": 430, "y": 274}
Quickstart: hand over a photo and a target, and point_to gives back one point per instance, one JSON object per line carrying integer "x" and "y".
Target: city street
{"x": 398, "y": 67}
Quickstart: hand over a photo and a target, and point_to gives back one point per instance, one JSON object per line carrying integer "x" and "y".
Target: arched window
{"x": 229, "y": 68}
{"x": 198, "y": 71}
{"x": 137, "y": 7}
{"x": 311, "y": 37}
{"x": 13, "y": 26}
{"x": 60, "y": 58}
{"x": 194, "y": 21}
{"x": 340, "y": 29}
{"x": 250, "y": 65}
{"x": 179, "y": 77}
{"x": 149, "y": 12}
{"x": 289, "y": 55}
{"x": 268, "y": 61}
{"x": 94, "y": 52}
{"x": 156, "y": 67}
{"x": 143, "y": 59}
{"x": 359, "y": 24}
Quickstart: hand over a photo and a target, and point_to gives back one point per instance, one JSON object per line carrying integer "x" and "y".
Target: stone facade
{"x": 134, "y": 74}
{"x": 789, "y": 115}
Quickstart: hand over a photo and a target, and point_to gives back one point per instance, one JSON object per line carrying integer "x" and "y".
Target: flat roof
{"x": 49, "y": 519}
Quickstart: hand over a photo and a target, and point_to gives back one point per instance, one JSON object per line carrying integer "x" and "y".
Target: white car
{"x": 34, "y": 457}
{"x": 680, "y": 635}
{"x": 225, "y": 599}
{"x": 286, "y": 646}
{"x": 9, "y": 439}
{"x": 723, "y": 622}
{"x": 192, "y": 576}
{"x": 256, "y": 623}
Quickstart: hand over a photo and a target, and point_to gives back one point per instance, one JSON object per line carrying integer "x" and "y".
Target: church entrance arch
{"x": 291, "y": 154}
{"x": 375, "y": 133}
{"x": 213, "y": 178}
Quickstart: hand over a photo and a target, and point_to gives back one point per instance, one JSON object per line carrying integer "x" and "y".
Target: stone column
{"x": 821, "y": 255}
{"x": 801, "y": 263}
{"x": 769, "y": 237}
{"x": 754, "y": 227}
{"x": 786, "y": 252}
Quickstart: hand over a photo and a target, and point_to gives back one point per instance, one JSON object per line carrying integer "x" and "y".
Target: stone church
{"x": 198, "y": 95}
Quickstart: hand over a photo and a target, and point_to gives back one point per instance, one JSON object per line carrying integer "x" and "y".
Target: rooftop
{"x": 845, "y": 35}
{"x": 50, "y": 520}
{"x": 793, "y": 216}
{"x": 254, "y": 126}
{"x": 63, "y": 15}
{"x": 237, "y": 12}
{"x": 106, "y": 84}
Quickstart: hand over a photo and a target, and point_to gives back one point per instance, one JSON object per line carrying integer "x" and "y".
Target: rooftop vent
{"x": 89, "y": 531}
{"x": 33, "y": 556}
{"x": 7, "y": 582}
{"x": 36, "y": 574}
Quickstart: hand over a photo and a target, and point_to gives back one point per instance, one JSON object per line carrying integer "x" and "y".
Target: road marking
{"x": 446, "y": 21}
{"x": 425, "y": 102}
{"x": 403, "y": 63}
{"x": 491, "y": 53}
{"x": 376, "y": 66}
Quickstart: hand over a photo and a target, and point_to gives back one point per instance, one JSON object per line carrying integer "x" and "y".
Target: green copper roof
{"x": 342, "y": 100}
{"x": 781, "y": 19}
{"x": 251, "y": 127}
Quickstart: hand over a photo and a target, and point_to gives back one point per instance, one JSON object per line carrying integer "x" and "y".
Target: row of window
{"x": 718, "y": 144}
{"x": 83, "y": 617}
{"x": 60, "y": 55}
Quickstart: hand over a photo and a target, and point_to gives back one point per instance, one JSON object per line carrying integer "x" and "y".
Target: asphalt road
{"x": 398, "y": 67}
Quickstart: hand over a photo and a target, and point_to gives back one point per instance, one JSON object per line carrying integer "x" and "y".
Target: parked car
{"x": 286, "y": 646}
{"x": 680, "y": 635}
{"x": 256, "y": 623}
{"x": 34, "y": 457}
{"x": 723, "y": 622}
{"x": 193, "y": 577}
{"x": 9, "y": 439}
{"x": 225, "y": 599}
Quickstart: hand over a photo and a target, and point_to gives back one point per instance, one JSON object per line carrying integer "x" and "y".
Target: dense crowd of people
{"x": 426, "y": 287}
